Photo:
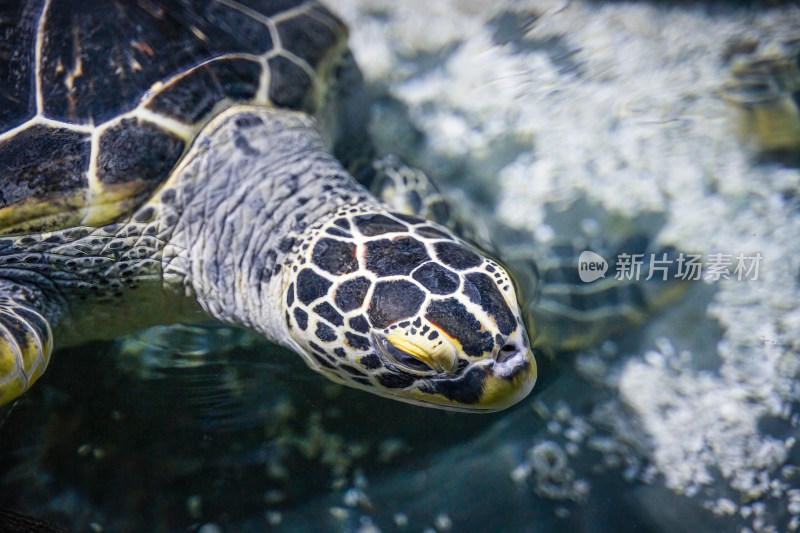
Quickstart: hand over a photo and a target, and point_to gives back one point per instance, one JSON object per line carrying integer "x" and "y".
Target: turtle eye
{"x": 400, "y": 357}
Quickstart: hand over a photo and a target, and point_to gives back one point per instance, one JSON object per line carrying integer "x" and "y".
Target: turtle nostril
{"x": 507, "y": 352}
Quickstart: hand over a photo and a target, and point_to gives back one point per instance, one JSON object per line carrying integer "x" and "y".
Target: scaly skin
{"x": 261, "y": 227}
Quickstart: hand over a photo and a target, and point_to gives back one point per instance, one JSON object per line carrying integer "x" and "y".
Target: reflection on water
{"x": 214, "y": 426}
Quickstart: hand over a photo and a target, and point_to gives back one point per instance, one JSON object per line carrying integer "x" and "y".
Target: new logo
{"x": 591, "y": 266}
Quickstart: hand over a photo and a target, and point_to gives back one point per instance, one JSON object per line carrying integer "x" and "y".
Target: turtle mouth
{"x": 508, "y": 383}
{"x": 484, "y": 388}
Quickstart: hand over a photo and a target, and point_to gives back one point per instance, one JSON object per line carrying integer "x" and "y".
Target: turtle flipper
{"x": 26, "y": 342}
{"x": 410, "y": 191}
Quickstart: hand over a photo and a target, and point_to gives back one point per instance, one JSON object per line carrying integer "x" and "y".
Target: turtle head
{"x": 398, "y": 306}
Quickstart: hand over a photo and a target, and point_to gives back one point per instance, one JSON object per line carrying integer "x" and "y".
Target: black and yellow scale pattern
{"x": 440, "y": 299}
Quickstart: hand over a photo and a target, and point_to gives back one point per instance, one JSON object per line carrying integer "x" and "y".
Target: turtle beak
{"x": 509, "y": 378}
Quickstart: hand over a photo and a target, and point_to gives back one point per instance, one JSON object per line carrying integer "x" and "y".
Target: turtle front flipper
{"x": 26, "y": 341}
{"x": 410, "y": 191}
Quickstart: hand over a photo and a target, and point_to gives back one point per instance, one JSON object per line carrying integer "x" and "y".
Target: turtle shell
{"x": 100, "y": 100}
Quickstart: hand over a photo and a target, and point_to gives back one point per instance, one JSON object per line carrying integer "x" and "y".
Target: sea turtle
{"x": 163, "y": 157}
{"x": 166, "y": 160}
